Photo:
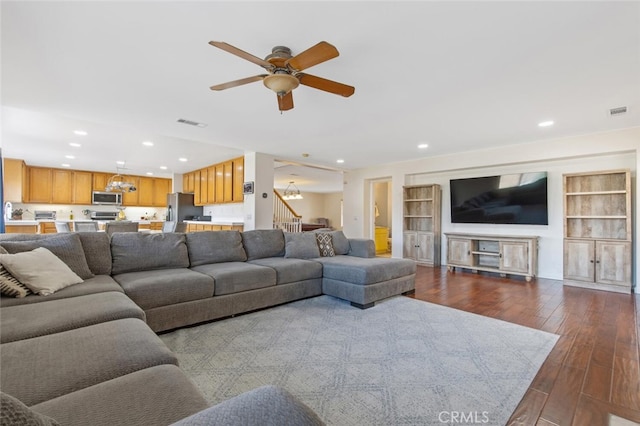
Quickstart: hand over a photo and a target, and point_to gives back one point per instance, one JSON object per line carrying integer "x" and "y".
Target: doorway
{"x": 382, "y": 219}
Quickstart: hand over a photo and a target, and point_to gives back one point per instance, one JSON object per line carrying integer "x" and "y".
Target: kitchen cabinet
{"x": 188, "y": 182}
{"x": 238, "y": 180}
{"x": 61, "y": 186}
{"x": 421, "y": 223}
{"x": 82, "y": 184}
{"x": 198, "y": 227}
{"x": 504, "y": 254}
{"x": 48, "y": 228}
{"x": 21, "y": 229}
{"x": 200, "y": 188}
{"x": 598, "y": 230}
{"x": 100, "y": 181}
{"x": 145, "y": 191}
{"x": 228, "y": 181}
{"x": 39, "y": 185}
{"x": 14, "y": 179}
{"x": 161, "y": 187}
{"x": 131, "y": 198}
{"x": 211, "y": 184}
{"x": 219, "y": 183}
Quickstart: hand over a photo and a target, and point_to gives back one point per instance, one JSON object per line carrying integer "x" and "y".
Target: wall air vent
{"x": 191, "y": 123}
{"x": 617, "y": 111}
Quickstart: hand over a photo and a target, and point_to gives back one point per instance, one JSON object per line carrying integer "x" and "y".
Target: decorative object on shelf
{"x": 292, "y": 193}
{"x": 16, "y": 214}
{"x": 119, "y": 183}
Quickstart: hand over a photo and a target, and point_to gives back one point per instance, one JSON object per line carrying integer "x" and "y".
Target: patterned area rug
{"x": 402, "y": 362}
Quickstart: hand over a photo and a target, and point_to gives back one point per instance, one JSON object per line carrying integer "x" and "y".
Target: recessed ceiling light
{"x": 545, "y": 123}
{"x": 150, "y": 173}
{"x": 65, "y": 165}
{"x": 80, "y": 132}
{"x": 182, "y": 159}
{"x": 340, "y": 160}
{"x": 120, "y": 163}
{"x": 147, "y": 143}
{"x": 70, "y": 157}
{"x": 423, "y": 145}
{"x": 74, "y": 144}
{"x": 163, "y": 167}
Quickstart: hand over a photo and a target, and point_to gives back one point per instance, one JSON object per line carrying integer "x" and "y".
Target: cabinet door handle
{"x": 469, "y": 253}
{"x": 591, "y": 261}
{"x": 597, "y": 261}
{"x": 500, "y": 255}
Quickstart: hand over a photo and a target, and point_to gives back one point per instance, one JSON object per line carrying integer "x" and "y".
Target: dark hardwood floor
{"x": 593, "y": 370}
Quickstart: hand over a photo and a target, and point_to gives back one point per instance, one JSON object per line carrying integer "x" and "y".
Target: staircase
{"x": 284, "y": 217}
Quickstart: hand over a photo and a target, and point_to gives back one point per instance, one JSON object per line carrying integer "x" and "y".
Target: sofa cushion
{"x": 40, "y": 270}
{"x": 97, "y": 284}
{"x": 67, "y": 247}
{"x": 97, "y": 250}
{"x": 39, "y": 369}
{"x": 234, "y": 277}
{"x": 215, "y": 247}
{"x": 161, "y": 287}
{"x": 138, "y": 251}
{"x": 154, "y": 396}
{"x": 358, "y": 270}
{"x": 300, "y": 245}
{"x": 289, "y": 270}
{"x": 339, "y": 240}
{"x": 39, "y": 319}
{"x": 14, "y": 412}
{"x": 260, "y": 243}
{"x": 266, "y": 406}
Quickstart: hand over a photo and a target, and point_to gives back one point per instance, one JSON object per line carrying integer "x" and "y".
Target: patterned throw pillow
{"x": 325, "y": 244}
{"x": 10, "y": 286}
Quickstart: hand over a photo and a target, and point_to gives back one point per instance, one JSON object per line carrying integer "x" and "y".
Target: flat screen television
{"x": 506, "y": 199}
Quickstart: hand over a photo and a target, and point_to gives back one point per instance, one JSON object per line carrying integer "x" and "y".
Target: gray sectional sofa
{"x": 88, "y": 353}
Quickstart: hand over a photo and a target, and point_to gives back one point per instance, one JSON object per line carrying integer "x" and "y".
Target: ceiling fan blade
{"x": 285, "y": 103}
{"x": 314, "y": 55}
{"x": 240, "y": 82}
{"x": 326, "y": 85}
{"x": 241, "y": 53}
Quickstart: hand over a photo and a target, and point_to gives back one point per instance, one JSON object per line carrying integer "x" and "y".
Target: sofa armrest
{"x": 264, "y": 406}
{"x": 362, "y": 247}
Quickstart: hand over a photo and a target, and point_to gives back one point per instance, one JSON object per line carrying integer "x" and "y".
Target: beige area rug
{"x": 402, "y": 362}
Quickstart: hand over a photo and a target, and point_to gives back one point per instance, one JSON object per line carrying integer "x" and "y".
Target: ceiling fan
{"x": 285, "y": 71}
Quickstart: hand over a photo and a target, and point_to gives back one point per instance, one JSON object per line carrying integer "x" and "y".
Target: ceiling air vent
{"x": 617, "y": 111}
{"x": 191, "y": 123}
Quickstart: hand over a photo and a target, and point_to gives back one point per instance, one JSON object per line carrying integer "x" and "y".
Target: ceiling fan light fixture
{"x": 281, "y": 83}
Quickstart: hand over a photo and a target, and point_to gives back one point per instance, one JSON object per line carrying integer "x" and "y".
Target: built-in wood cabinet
{"x": 421, "y": 224}
{"x": 198, "y": 227}
{"x": 597, "y": 230}
{"x": 510, "y": 254}
{"x": 45, "y": 185}
{"x": 216, "y": 184}
{"x": 14, "y": 174}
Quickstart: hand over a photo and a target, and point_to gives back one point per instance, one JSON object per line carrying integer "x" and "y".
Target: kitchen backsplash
{"x": 63, "y": 212}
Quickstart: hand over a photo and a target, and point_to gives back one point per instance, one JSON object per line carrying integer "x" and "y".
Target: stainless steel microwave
{"x": 114, "y": 198}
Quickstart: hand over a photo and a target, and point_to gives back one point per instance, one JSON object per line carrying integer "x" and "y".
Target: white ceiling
{"x": 456, "y": 75}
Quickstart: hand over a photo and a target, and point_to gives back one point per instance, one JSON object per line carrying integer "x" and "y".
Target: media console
{"x": 504, "y": 254}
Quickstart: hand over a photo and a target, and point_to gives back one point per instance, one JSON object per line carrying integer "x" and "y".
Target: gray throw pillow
{"x": 67, "y": 247}
{"x": 14, "y": 412}
{"x": 301, "y": 245}
{"x": 215, "y": 247}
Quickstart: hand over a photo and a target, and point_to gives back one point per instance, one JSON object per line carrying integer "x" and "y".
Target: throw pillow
{"x": 325, "y": 244}
{"x": 300, "y": 245}
{"x": 14, "y": 412}
{"x": 10, "y": 286}
{"x": 67, "y": 247}
{"x": 40, "y": 270}
{"x": 340, "y": 242}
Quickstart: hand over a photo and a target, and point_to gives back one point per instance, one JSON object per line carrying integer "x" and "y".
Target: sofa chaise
{"x": 88, "y": 352}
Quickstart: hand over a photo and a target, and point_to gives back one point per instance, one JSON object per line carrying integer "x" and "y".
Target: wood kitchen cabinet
{"x": 228, "y": 181}
{"x": 188, "y": 182}
{"x": 161, "y": 187}
{"x": 211, "y": 184}
{"x": 219, "y": 183}
{"x": 598, "y": 230}
{"x": 199, "y": 190}
{"x": 61, "y": 186}
{"x": 39, "y": 185}
{"x": 14, "y": 179}
{"x": 100, "y": 181}
{"x": 131, "y": 198}
{"x": 82, "y": 185}
{"x": 238, "y": 180}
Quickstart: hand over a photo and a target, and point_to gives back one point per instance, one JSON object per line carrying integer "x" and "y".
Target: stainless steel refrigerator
{"x": 180, "y": 207}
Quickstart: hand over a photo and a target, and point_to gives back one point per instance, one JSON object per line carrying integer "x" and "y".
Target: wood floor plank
{"x": 594, "y": 368}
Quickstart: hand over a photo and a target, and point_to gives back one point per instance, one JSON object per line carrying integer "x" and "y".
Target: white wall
{"x": 602, "y": 151}
{"x": 315, "y": 205}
